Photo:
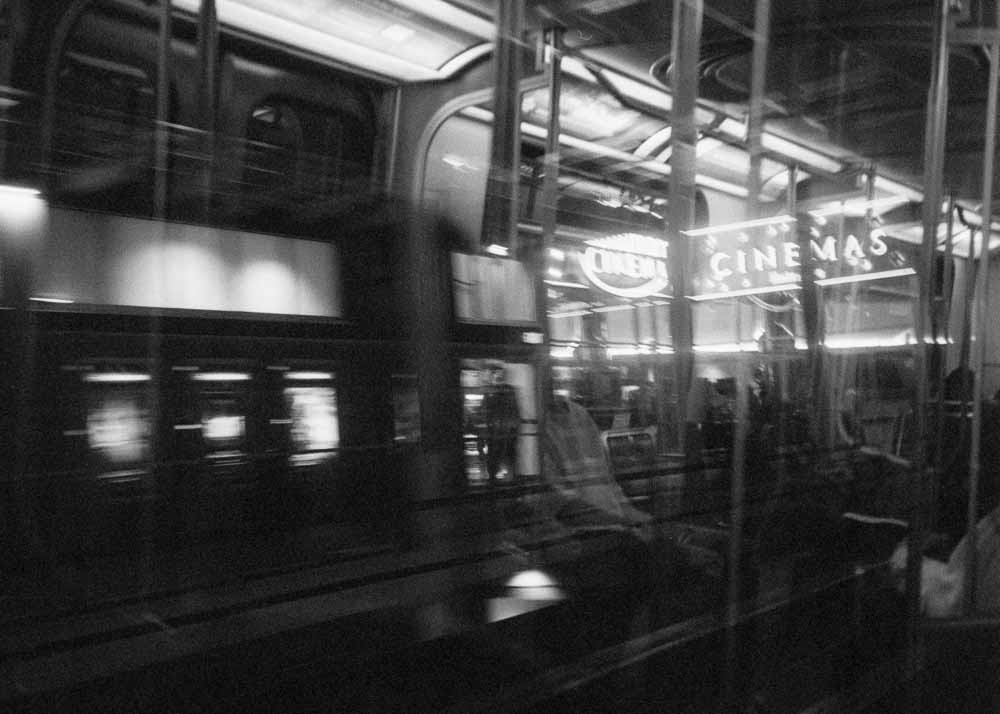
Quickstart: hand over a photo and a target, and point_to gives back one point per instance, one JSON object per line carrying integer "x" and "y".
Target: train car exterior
{"x": 396, "y": 356}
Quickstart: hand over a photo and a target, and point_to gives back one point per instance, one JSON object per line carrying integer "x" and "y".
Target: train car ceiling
{"x": 407, "y": 40}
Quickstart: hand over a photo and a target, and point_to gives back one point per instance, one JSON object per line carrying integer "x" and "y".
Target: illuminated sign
{"x": 628, "y": 265}
{"x": 766, "y": 256}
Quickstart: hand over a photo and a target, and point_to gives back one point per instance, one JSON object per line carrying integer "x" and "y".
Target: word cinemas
{"x": 739, "y": 258}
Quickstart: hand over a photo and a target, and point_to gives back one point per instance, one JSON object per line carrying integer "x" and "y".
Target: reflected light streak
{"x": 726, "y": 347}
{"x": 866, "y": 277}
{"x": 116, "y": 377}
{"x": 220, "y": 377}
{"x": 729, "y": 227}
{"x": 785, "y": 288}
{"x": 309, "y": 375}
{"x": 57, "y": 301}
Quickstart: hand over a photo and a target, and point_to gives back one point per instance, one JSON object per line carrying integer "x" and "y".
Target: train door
{"x": 102, "y": 491}
{"x": 212, "y": 422}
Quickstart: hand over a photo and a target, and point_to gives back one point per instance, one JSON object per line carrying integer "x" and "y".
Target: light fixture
{"x": 498, "y": 250}
{"x": 800, "y": 153}
{"x": 730, "y": 227}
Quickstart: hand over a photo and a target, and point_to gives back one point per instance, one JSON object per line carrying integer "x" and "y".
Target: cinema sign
{"x": 765, "y": 256}
{"x": 628, "y": 265}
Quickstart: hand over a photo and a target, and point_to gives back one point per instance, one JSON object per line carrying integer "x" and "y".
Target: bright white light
{"x": 397, "y": 33}
{"x": 575, "y": 68}
{"x": 729, "y": 227}
{"x": 723, "y": 186}
{"x": 555, "y": 273}
{"x": 629, "y": 351}
{"x": 847, "y": 342}
{"x": 220, "y": 376}
{"x": 223, "y": 427}
{"x": 19, "y": 191}
{"x": 562, "y": 352}
{"x": 309, "y": 375}
{"x": 800, "y": 153}
{"x": 787, "y": 287}
{"x": 57, "y": 301}
{"x": 564, "y": 284}
{"x": 900, "y": 189}
{"x": 655, "y": 141}
{"x": 557, "y": 254}
{"x": 865, "y": 277}
{"x": 116, "y": 377}
{"x": 858, "y": 208}
{"x": 497, "y": 249}
{"x": 613, "y": 308}
{"x": 707, "y": 144}
{"x": 531, "y": 579}
{"x": 728, "y": 347}
{"x": 640, "y": 91}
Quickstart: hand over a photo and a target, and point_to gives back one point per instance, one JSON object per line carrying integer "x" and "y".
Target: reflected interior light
{"x": 858, "y": 207}
{"x": 7, "y": 191}
{"x": 119, "y": 428}
{"x": 785, "y": 288}
{"x": 497, "y": 249}
{"x": 866, "y": 277}
{"x": 557, "y": 254}
{"x": 799, "y": 153}
{"x": 531, "y": 579}
{"x": 728, "y": 227}
{"x": 613, "y": 308}
{"x": 564, "y": 284}
{"x": 849, "y": 342}
{"x": 220, "y": 377}
{"x": 223, "y": 428}
{"x": 900, "y": 189}
{"x": 655, "y": 141}
{"x": 116, "y": 377}
{"x": 555, "y": 273}
{"x": 57, "y": 301}
{"x": 728, "y": 347}
{"x": 473, "y": 397}
{"x": 562, "y": 352}
{"x": 632, "y": 351}
{"x": 306, "y": 376}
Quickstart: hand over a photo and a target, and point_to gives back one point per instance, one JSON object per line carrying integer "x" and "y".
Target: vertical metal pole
{"x": 755, "y": 115}
{"x": 685, "y": 47}
{"x": 982, "y": 303}
{"x": 934, "y": 145}
{"x": 500, "y": 219}
{"x": 550, "y": 214}
{"x": 944, "y": 300}
{"x": 738, "y": 574}
{"x": 208, "y": 55}
{"x": 162, "y": 134}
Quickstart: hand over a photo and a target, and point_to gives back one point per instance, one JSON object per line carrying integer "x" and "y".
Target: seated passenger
{"x": 942, "y": 584}
{"x": 577, "y": 467}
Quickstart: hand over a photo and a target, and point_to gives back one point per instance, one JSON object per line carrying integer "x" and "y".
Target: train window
{"x": 118, "y": 420}
{"x": 303, "y": 413}
{"x": 213, "y": 411}
{"x": 274, "y": 138}
{"x": 406, "y": 408}
{"x": 315, "y": 423}
{"x": 103, "y": 133}
{"x": 298, "y": 152}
